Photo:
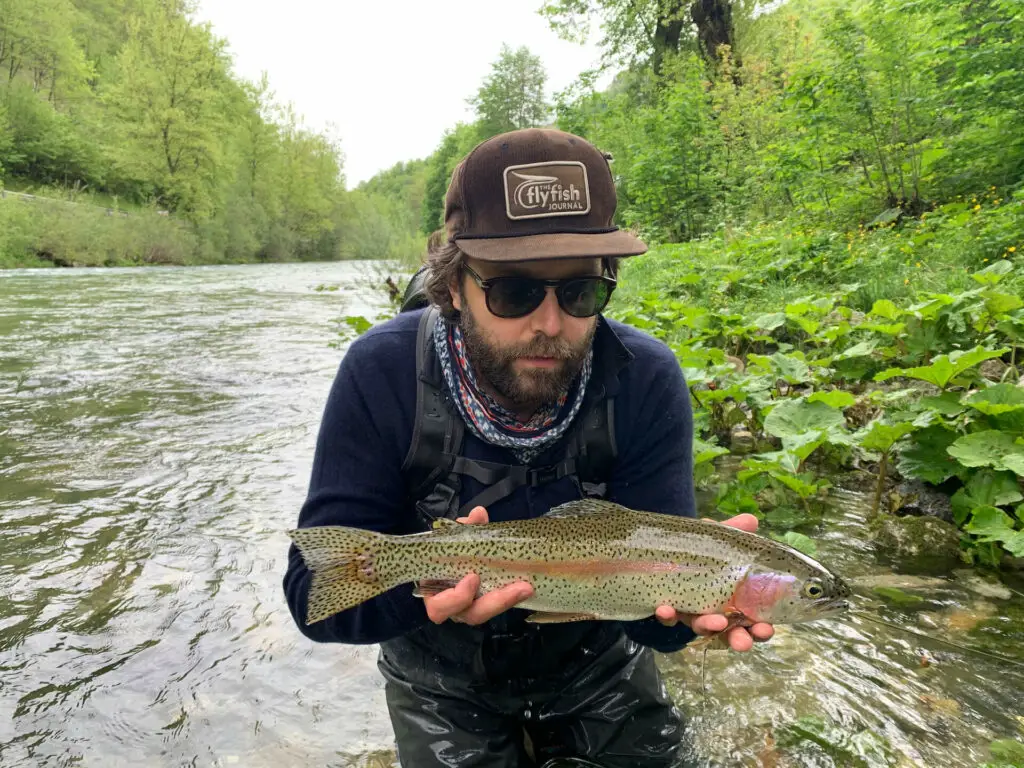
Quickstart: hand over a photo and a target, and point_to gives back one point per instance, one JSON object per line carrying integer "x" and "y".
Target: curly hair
{"x": 444, "y": 267}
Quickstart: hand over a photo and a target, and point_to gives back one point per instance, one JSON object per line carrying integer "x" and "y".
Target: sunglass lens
{"x": 585, "y": 297}
{"x": 515, "y": 296}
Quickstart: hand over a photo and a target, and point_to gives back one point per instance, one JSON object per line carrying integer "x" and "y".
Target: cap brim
{"x": 557, "y": 245}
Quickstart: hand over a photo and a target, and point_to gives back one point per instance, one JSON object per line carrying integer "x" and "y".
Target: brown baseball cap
{"x": 536, "y": 193}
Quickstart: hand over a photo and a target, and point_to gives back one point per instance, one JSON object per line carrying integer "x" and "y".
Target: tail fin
{"x": 344, "y": 566}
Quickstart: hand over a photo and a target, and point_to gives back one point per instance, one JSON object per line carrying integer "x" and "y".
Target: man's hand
{"x": 461, "y": 604}
{"x": 740, "y": 638}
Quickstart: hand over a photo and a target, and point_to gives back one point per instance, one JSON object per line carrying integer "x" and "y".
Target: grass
{"x": 766, "y": 265}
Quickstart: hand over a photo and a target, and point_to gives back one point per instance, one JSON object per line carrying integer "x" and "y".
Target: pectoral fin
{"x": 431, "y": 587}
{"x": 546, "y": 617}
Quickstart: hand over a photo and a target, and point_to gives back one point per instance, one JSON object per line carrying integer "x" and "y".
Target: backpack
{"x": 433, "y": 467}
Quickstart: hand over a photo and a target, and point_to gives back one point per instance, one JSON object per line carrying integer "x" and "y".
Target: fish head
{"x": 785, "y": 597}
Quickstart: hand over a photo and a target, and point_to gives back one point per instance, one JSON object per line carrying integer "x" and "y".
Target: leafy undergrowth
{"x": 814, "y": 353}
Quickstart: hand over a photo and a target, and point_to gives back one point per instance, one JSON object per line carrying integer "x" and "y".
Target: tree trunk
{"x": 668, "y": 31}
{"x": 713, "y": 19}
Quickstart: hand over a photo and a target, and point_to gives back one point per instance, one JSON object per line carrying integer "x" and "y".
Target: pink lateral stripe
{"x": 571, "y": 568}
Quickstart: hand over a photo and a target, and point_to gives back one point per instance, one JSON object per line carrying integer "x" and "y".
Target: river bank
{"x": 39, "y": 232}
{"x": 892, "y": 351}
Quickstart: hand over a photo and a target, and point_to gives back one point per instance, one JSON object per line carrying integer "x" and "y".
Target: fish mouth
{"x": 834, "y": 606}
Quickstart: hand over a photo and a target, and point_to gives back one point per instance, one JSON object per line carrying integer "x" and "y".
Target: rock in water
{"x": 923, "y": 543}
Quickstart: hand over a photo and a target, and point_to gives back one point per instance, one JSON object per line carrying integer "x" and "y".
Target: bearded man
{"x": 509, "y": 395}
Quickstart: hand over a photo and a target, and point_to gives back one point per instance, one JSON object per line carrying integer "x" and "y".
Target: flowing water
{"x": 156, "y": 432}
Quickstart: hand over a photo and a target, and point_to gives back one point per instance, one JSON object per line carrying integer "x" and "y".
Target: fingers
{"x": 497, "y": 601}
{"x": 762, "y": 632}
{"x": 444, "y": 605}
{"x": 477, "y": 516}
{"x": 667, "y": 615}
{"x": 460, "y": 603}
{"x": 739, "y": 638}
{"x": 709, "y": 624}
{"x": 745, "y": 522}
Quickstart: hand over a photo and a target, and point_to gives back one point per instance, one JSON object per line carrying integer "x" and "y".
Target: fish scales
{"x": 592, "y": 558}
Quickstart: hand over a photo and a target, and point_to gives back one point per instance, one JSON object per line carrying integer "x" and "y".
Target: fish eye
{"x": 813, "y": 589}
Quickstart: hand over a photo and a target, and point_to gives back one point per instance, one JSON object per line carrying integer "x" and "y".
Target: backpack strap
{"x": 437, "y": 433}
{"x": 594, "y": 443}
{"x": 434, "y": 465}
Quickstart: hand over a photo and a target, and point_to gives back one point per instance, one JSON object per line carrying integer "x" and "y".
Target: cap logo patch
{"x": 537, "y": 190}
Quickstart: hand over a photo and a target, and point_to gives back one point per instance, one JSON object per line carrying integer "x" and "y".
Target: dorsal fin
{"x": 441, "y": 523}
{"x": 582, "y": 507}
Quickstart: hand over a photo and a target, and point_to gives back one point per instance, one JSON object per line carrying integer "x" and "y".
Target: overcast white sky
{"x": 386, "y": 77}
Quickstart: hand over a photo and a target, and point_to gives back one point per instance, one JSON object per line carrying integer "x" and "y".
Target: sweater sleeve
{"x": 356, "y": 481}
{"x": 655, "y": 470}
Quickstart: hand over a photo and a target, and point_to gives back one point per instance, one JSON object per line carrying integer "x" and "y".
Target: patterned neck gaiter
{"x": 490, "y": 421}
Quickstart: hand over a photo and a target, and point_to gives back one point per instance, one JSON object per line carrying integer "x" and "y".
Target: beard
{"x": 495, "y": 363}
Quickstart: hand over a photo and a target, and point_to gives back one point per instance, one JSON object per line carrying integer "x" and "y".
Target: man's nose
{"x": 547, "y": 318}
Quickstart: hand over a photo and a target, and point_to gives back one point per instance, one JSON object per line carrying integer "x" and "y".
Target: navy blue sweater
{"x": 367, "y": 428}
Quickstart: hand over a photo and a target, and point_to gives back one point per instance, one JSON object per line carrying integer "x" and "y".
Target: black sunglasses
{"x": 515, "y": 296}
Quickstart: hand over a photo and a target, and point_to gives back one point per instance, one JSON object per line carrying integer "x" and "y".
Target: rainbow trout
{"x": 586, "y": 560}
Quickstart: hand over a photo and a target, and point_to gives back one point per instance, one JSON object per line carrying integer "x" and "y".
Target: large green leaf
{"x": 770, "y": 321}
{"x": 1001, "y": 303}
{"x": 990, "y": 448}
{"x": 862, "y": 349}
{"x": 887, "y": 329}
{"x": 989, "y": 523}
{"x": 1002, "y": 398}
{"x": 787, "y": 367}
{"x": 704, "y": 452}
{"x": 835, "y": 398}
{"x": 993, "y": 525}
{"x": 798, "y": 485}
{"x": 993, "y": 273}
{"x": 991, "y": 488}
{"x": 944, "y": 367}
{"x": 798, "y": 541}
{"x": 926, "y": 457}
{"x": 794, "y": 418}
{"x": 948, "y": 403}
{"x": 808, "y": 326}
{"x": 885, "y": 308}
{"x": 881, "y": 437}
{"x": 1013, "y": 328}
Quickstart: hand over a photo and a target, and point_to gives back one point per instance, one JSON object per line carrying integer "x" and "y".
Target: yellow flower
{"x": 1012, "y": 249}
{"x": 918, "y": 265}
{"x": 977, "y": 207}
{"x": 984, "y": 260}
{"x": 907, "y": 281}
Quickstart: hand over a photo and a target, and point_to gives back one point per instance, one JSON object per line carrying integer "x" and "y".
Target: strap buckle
{"x": 549, "y": 474}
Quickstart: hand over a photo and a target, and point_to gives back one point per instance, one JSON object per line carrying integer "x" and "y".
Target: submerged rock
{"x": 926, "y": 542}
{"x": 913, "y": 497}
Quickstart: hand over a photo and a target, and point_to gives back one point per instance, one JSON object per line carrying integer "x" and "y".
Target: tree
{"x": 455, "y": 144}
{"x": 168, "y": 97}
{"x": 512, "y": 95}
{"x": 646, "y": 31}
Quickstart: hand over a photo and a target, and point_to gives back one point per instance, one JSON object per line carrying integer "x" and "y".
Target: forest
{"x": 124, "y": 123}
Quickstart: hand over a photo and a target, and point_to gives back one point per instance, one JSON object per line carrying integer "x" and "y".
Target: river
{"x": 157, "y": 428}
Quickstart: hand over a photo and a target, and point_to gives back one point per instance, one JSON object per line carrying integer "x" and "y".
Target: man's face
{"x": 526, "y": 360}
